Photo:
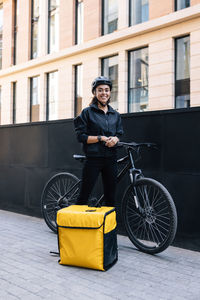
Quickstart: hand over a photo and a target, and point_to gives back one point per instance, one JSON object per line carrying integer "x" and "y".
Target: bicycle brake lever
{"x": 152, "y": 145}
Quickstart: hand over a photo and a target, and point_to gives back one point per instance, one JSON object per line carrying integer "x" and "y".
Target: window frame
{"x": 34, "y": 21}
{"x": 76, "y": 88}
{"x": 102, "y": 18}
{"x": 128, "y": 85}
{"x": 176, "y": 5}
{"x": 31, "y": 96}
{"x": 103, "y": 74}
{"x": 48, "y": 93}
{"x": 49, "y": 50}
{"x": 77, "y": 3}
{"x": 15, "y": 27}
{"x": 14, "y": 95}
{"x": 130, "y": 14}
{"x": 185, "y": 80}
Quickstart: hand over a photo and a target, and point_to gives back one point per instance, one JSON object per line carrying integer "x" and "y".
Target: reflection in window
{"x": 180, "y": 4}
{"x": 14, "y": 96}
{"x": 110, "y": 16}
{"x": 35, "y": 15}
{"x": 138, "y": 80}
{"x": 182, "y": 72}
{"x": 16, "y": 15}
{"x": 139, "y": 11}
{"x": 34, "y": 99}
{"x": 1, "y": 32}
{"x": 110, "y": 70}
{"x": 78, "y": 89}
{"x": 53, "y": 26}
{"x": 52, "y": 96}
{"x": 79, "y": 22}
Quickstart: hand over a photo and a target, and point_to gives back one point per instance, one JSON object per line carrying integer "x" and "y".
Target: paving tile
{"x": 29, "y": 271}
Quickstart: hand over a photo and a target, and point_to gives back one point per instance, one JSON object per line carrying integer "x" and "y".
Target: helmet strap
{"x": 102, "y": 104}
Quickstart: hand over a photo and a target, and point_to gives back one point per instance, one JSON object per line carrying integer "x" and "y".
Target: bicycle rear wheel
{"x": 152, "y": 226}
{"x": 52, "y": 196}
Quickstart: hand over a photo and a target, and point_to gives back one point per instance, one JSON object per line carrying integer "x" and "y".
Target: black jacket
{"x": 93, "y": 121}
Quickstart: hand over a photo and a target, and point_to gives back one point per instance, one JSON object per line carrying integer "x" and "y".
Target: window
{"x": 34, "y": 99}
{"x": 109, "y": 16}
{"x": 79, "y": 22}
{"x": 110, "y": 70}
{"x": 16, "y": 14}
{"x": 1, "y": 33}
{"x": 14, "y": 96}
{"x": 53, "y": 26}
{"x": 78, "y": 90}
{"x": 52, "y": 96}
{"x": 180, "y": 4}
{"x": 35, "y": 15}
{"x": 182, "y": 72}
{"x": 138, "y": 80}
{"x": 0, "y": 104}
{"x": 138, "y": 11}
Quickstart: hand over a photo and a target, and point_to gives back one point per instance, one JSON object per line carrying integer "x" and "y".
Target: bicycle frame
{"x": 147, "y": 209}
{"x": 133, "y": 174}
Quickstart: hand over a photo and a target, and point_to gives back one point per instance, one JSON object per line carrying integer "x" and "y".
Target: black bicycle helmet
{"x": 101, "y": 80}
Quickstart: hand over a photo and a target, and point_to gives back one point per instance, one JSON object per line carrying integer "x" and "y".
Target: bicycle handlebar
{"x": 134, "y": 145}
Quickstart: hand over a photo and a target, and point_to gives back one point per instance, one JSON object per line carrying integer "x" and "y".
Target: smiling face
{"x": 102, "y": 93}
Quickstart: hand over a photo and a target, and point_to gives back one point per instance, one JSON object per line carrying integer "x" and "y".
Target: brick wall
{"x": 156, "y": 11}
{"x": 7, "y": 34}
{"x": 92, "y": 19}
{"x": 23, "y": 31}
{"x": 193, "y": 2}
{"x": 67, "y": 23}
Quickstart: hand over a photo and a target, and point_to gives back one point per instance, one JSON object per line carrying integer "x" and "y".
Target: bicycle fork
{"x": 134, "y": 174}
{"x": 143, "y": 208}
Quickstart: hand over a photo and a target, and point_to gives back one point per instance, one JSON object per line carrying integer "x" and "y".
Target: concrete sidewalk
{"x": 28, "y": 271}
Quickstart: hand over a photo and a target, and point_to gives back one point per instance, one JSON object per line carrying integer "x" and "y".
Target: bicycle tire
{"x": 153, "y": 228}
{"x": 55, "y": 188}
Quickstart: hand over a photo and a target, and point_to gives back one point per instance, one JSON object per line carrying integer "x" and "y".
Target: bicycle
{"x": 148, "y": 210}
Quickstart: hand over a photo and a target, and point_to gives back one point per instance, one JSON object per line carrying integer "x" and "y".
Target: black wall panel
{"x": 31, "y": 153}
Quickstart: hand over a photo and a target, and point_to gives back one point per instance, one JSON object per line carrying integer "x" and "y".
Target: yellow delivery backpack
{"x": 87, "y": 236}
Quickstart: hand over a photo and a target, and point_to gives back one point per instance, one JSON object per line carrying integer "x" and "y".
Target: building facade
{"x": 51, "y": 50}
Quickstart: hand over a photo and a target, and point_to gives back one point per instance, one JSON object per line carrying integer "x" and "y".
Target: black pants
{"x": 91, "y": 170}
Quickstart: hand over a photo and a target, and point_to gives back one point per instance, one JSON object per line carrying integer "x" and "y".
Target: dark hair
{"x": 95, "y": 101}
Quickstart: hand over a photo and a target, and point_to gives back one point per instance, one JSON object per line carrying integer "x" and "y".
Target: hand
{"x": 104, "y": 139}
{"x": 112, "y": 141}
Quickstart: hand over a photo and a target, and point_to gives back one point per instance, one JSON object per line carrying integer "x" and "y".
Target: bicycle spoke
{"x": 58, "y": 188}
{"x": 134, "y": 212}
{"x": 155, "y": 226}
{"x": 163, "y": 216}
{"x": 165, "y": 229}
{"x": 156, "y": 240}
{"x": 53, "y": 197}
{"x": 163, "y": 222}
{"x": 152, "y": 227}
{"x": 155, "y": 197}
{"x": 51, "y": 200}
{"x": 134, "y": 222}
{"x": 163, "y": 209}
{"x": 159, "y": 203}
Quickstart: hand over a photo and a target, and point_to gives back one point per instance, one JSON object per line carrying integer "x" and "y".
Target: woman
{"x": 98, "y": 128}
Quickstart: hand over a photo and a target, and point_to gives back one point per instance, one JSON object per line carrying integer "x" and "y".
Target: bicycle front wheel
{"x": 149, "y": 215}
{"x": 52, "y": 196}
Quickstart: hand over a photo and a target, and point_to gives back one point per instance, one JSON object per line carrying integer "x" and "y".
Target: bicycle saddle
{"x": 79, "y": 157}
